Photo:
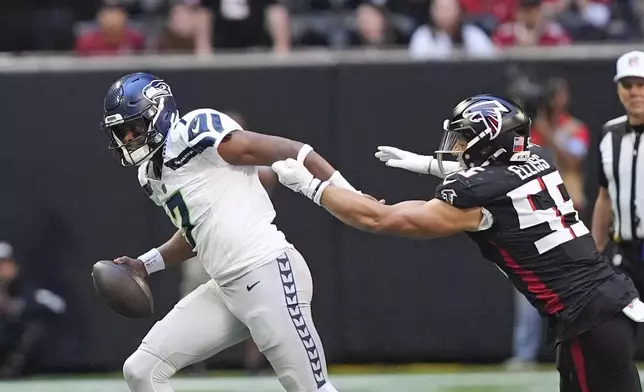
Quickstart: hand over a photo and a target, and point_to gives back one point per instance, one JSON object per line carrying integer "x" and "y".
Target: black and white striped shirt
{"x": 622, "y": 173}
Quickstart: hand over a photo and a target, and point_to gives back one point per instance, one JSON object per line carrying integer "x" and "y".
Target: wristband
{"x": 337, "y": 179}
{"x": 152, "y": 261}
{"x": 304, "y": 151}
{"x": 314, "y": 190}
{"x": 318, "y": 192}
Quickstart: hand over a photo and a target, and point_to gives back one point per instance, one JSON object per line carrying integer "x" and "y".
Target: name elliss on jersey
{"x": 534, "y": 165}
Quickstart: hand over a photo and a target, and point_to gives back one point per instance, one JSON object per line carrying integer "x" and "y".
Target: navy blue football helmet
{"x": 484, "y": 129}
{"x": 139, "y": 110}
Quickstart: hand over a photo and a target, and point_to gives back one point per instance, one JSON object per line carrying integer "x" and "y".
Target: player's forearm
{"x": 176, "y": 250}
{"x": 352, "y": 209}
{"x": 254, "y": 149}
{"x": 267, "y": 178}
{"x": 367, "y": 215}
{"x": 313, "y": 161}
{"x": 601, "y": 222}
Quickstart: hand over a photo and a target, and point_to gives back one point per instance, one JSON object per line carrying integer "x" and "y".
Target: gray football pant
{"x": 271, "y": 304}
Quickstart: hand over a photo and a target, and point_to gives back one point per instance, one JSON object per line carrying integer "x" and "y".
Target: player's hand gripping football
{"x": 395, "y": 157}
{"x": 136, "y": 264}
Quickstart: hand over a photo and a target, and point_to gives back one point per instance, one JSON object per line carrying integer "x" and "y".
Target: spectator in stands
{"x": 531, "y": 28}
{"x": 489, "y": 14}
{"x": 180, "y": 30}
{"x": 446, "y": 30}
{"x": 585, "y": 20}
{"x": 374, "y": 27}
{"x": 26, "y": 312}
{"x": 113, "y": 36}
{"x": 569, "y": 139}
{"x": 234, "y": 24}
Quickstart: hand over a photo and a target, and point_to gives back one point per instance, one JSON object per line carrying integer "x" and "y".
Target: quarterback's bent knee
{"x": 143, "y": 368}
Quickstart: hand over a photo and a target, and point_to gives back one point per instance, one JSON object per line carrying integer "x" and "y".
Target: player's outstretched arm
{"x": 421, "y": 164}
{"x": 416, "y": 219}
{"x": 255, "y": 149}
{"x": 173, "y": 252}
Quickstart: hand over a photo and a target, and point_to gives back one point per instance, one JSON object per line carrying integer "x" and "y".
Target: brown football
{"x": 122, "y": 289}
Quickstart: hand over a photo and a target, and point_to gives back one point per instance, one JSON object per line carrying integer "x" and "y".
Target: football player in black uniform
{"x": 509, "y": 198}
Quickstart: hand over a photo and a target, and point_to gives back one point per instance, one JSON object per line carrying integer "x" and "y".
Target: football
{"x": 122, "y": 289}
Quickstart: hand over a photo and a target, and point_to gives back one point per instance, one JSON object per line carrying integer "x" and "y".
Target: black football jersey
{"x": 537, "y": 238}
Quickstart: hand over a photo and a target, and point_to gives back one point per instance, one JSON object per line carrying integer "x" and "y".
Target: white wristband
{"x": 314, "y": 190}
{"x": 318, "y": 193}
{"x": 337, "y": 179}
{"x": 152, "y": 261}
{"x": 304, "y": 151}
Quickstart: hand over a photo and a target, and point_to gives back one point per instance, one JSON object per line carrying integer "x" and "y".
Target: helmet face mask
{"x": 453, "y": 144}
{"x": 134, "y": 141}
{"x": 139, "y": 111}
{"x": 484, "y": 129}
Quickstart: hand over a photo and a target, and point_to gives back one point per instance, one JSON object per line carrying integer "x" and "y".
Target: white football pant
{"x": 271, "y": 304}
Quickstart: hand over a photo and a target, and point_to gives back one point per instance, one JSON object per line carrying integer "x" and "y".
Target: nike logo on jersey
{"x": 195, "y": 129}
{"x": 446, "y": 181}
{"x": 250, "y": 287}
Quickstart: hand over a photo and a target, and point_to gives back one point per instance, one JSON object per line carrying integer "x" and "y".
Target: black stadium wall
{"x": 65, "y": 203}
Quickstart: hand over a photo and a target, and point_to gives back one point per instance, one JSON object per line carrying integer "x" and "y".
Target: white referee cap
{"x": 6, "y": 250}
{"x": 630, "y": 64}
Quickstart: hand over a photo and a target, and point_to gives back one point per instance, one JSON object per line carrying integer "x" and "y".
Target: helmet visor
{"x": 450, "y": 151}
{"x": 452, "y": 143}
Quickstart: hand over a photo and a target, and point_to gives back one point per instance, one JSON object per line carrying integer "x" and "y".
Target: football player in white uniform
{"x": 202, "y": 168}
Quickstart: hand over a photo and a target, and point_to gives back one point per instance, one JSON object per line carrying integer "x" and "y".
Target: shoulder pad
{"x": 206, "y": 126}
{"x": 468, "y": 188}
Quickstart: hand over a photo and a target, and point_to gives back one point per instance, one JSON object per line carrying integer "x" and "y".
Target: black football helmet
{"x": 139, "y": 110}
{"x": 484, "y": 129}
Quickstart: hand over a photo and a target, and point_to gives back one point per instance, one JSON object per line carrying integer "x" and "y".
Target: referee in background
{"x": 619, "y": 208}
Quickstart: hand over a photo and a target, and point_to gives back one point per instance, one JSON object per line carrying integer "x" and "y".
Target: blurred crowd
{"x": 429, "y": 28}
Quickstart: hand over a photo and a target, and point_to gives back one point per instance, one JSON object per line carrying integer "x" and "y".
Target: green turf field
{"x": 420, "y": 378}
{"x": 447, "y": 381}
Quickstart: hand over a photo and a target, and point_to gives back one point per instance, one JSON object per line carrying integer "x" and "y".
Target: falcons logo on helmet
{"x": 490, "y": 113}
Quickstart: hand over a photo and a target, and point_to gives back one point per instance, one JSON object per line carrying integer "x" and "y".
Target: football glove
{"x": 395, "y": 157}
{"x": 293, "y": 175}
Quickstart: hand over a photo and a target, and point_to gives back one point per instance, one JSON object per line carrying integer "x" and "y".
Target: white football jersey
{"x": 223, "y": 210}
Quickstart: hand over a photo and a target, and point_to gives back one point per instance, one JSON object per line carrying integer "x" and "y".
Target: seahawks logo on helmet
{"x": 156, "y": 89}
{"x": 490, "y": 113}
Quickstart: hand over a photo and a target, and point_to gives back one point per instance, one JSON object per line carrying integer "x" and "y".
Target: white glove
{"x": 423, "y": 164}
{"x": 293, "y": 175}
{"x": 395, "y": 157}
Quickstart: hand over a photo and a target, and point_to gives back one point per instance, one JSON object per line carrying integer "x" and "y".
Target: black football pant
{"x": 601, "y": 359}
{"x": 633, "y": 267}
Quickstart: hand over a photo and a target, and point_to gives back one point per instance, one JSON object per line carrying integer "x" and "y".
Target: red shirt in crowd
{"x": 502, "y": 10}
{"x": 551, "y": 34}
{"x": 578, "y": 130}
{"x": 95, "y": 44}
